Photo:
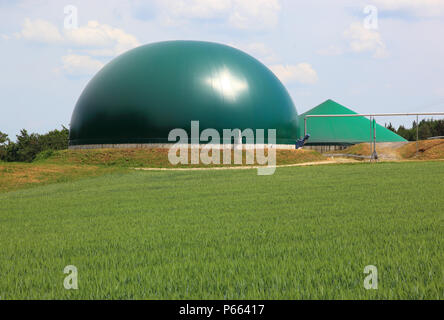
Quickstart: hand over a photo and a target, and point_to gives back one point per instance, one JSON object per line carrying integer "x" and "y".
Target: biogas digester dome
{"x": 140, "y": 96}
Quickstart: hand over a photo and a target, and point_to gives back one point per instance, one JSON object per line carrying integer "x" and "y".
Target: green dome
{"x": 142, "y": 95}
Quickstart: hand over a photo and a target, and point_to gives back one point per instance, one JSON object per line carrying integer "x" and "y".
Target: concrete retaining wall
{"x": 169, "y": 145}
{"x": 326, "y": 148}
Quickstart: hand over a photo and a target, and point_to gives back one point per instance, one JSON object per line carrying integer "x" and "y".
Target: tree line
{"x": 28, "y": 146}
{"x": 427, "y": 128}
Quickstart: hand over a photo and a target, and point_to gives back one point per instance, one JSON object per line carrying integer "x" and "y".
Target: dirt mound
{"x": 428, "y": 150}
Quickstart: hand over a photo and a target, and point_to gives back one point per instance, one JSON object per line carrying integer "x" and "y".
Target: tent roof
{"x": 342, "y": 130}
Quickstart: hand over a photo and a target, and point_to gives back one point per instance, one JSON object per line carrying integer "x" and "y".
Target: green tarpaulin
{"x": 341, "y": 130}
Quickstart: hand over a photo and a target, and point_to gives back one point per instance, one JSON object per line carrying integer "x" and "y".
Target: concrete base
{"x": 326, "y": 148}
{"x": 170, "y": 145}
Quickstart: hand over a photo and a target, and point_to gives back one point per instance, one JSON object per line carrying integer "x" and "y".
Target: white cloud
{"x": 102, "y": 39}
{"x": 330, "y": 51}
{"x": 255, "y": 14}
{"x": 95, "y": 38}
{"x": 39, "y": 31}
{"x": 196, "y": 9}
{"x": 421, "y": 8}
{"x": 239, "y": 14}
{"x": 302, "y": 73}
{"x": 365, "y": 40}
{"x": 259, "y": 50}
{"x": 80, "y": 65}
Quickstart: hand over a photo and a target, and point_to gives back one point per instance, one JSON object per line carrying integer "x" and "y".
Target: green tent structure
{"x": 341, "y": 131}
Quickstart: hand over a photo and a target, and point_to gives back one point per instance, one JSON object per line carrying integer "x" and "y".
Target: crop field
{"x": 303, "y": 233}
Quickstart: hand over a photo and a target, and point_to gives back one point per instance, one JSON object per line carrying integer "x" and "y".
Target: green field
{"x": 303, "y": 233}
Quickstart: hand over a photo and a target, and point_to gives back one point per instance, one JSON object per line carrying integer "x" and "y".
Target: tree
{"x": 390, "y": 127}
{"x": 4, "y": 140}
{"x": 28, "y": 146}
{"x": 405, "y": 133}
{"x": 427, "y": 128}
{"x": 55, "y": 140}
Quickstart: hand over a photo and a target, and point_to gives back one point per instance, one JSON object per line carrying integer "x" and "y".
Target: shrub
{"x": 28, "y": 146}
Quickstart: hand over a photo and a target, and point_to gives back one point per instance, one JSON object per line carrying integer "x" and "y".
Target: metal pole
{"x": 375, "y": 114}
{"x": 371, "y": 138}
{"x": 417, "y": 135}
{"x": 375, "y": 155}
{"x": 305, "y": 126}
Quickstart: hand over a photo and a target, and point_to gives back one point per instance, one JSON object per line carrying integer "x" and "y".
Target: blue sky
{"x": 320, "y": 50}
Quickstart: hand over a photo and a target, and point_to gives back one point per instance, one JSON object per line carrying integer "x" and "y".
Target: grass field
{"x": 303, "y": 233}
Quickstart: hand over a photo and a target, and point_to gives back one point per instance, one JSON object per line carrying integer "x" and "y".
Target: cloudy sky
{"x": 373, "y": 56}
